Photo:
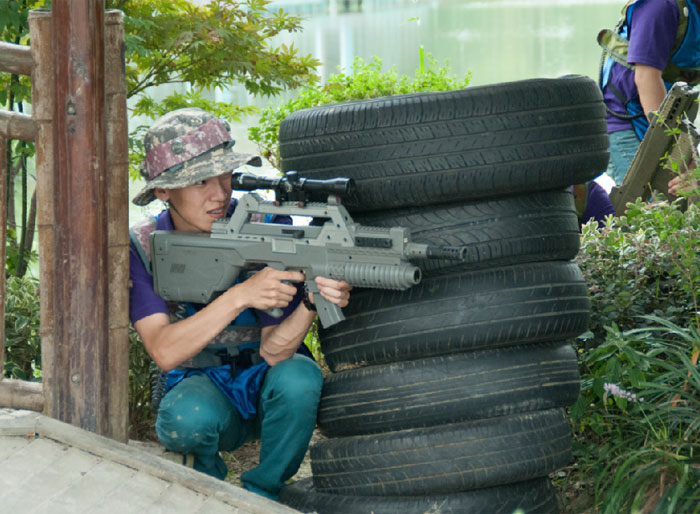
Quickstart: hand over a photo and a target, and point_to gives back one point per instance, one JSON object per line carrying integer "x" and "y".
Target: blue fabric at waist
{"x": 241, "y": 389}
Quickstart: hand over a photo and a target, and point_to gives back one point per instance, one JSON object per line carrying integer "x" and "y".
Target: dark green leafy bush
{"x": 22, "y": 340}
{"x": 141, "y": 418}
{"x": 644, "y": 263}
{"x": 637, "y": 429}
{"x": 636, "y": 423}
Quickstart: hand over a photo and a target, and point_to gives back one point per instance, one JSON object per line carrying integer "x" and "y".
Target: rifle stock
{"x": 671, "y": 138}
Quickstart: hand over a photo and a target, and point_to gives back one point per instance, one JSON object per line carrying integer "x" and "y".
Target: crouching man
{"x": 216, "y": 401}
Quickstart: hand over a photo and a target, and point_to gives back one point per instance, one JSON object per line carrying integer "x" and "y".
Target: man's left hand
{"x": 337, "y": 292}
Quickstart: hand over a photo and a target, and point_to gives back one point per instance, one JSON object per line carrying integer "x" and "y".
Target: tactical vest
{"x": 684, "y": 64}
{"x": 224, "y": 348}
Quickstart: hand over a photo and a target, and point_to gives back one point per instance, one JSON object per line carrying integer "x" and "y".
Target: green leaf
{"x": 637, "y": 377}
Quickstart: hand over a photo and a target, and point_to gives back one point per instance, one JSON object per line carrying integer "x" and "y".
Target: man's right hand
{"x": 268, "y": 289}
{"x": 684, "y": 182}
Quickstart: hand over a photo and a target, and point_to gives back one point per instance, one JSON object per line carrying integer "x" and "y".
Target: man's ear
{"x": 162, "y": 194}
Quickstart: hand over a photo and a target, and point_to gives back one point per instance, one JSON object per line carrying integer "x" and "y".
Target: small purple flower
{"x": 616, "y": 390}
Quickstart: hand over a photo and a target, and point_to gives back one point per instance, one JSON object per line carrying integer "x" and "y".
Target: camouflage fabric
{"x": 184, "y": 147}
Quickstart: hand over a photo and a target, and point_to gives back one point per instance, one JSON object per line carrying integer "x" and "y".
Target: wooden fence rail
{"x": 14, "y": 59}
{"x": 17, "y": 125}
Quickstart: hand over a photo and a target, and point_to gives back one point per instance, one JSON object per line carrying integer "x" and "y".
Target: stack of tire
{"x": 450, "y": 396}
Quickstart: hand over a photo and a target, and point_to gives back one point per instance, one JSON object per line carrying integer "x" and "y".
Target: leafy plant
{"x": 636, "y": 426}
{"x": 205, "y": 47}
{"x": 643, "y": 263}
{"x": 642, "y": 447}
{"x": 22, "y": 339}
{"x": 141, "y": 418}
{"x": 15, "y": 93}
{"x": 364, "y": 80}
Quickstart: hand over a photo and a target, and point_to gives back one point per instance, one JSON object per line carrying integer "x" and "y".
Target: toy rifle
{"x": 671, "y": 141}
{"x": 196, "y": 267}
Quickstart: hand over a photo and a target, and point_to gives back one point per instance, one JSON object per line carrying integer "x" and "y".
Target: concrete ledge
{"x": 27, "y": 424}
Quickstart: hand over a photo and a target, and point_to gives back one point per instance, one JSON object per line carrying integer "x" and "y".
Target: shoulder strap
{"x": 682, "y": 25}
{"x": 139, "y": 238}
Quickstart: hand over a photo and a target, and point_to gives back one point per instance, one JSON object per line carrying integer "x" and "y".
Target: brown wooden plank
{"x": 42, "y": 112}
{"x": 117, "y": 191}
{"x": 15, "y": 59}
{"x": 81, "y": 366}
{"x": 3, "y": 236}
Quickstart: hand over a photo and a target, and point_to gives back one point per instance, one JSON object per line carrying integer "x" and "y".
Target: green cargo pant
{"x": 196, "y": 417}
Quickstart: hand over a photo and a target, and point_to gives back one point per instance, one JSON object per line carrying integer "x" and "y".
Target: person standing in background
{"x": 656, "y": 43}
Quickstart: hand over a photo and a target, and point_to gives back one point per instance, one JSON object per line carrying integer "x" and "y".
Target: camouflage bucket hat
{"x": 184, "y": 147}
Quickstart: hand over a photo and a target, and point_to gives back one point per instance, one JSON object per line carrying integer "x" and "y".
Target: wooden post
{"x": 3, "y": 235}
{"x": 80, "y": 360}
{"x": 117, "y": 180}
{"x": 42, "y": 113}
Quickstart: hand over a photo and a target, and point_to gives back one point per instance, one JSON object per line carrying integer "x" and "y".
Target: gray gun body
{"x": 650, "y": 170}
{"x": 196, "y": 267}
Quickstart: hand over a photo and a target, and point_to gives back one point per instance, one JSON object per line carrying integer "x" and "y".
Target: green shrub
{"x": 365, "y": 80}
{"x": 23, "y": 352}
{"x": 141, "y": 419}
{"x": 643, "y": 263}
{"x": 636, "y": 423}
{"x": 638, "y": 431}
{"x": 22, "y": 339}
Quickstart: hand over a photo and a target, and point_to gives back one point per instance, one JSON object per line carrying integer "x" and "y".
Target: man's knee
{"x": 298, "y": 380}
{"x": 188, "y": 419}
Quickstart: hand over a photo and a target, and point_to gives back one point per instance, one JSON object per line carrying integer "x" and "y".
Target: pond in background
{"x": 495, "y": 40}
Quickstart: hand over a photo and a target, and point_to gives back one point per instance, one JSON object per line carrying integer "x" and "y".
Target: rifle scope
{"x": 292, "y": 187}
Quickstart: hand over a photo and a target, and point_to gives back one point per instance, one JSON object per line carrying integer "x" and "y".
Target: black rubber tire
{"x": 468, "y": 144}
{"x": 444, "y": 459}
{"x": 536, "y": 496}
{"x": 459, "y": 312}
{"x": 500, "y": 232}
{"x": 448, "y": 389}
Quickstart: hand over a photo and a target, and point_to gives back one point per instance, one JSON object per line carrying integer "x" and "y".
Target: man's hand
{"x": 684, "y": 182}
{"x": 333, "y": 291}
{"x": 268, "y": 289}
{"x": 280, "y": 342}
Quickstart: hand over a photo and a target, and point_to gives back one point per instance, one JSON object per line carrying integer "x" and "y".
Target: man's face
{"x": 197, "y": 206}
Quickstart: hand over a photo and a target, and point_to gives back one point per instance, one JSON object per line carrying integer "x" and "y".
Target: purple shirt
{"x": 143, "y": 301}
{"x": 652, "y": 34}
{"x": 598, "y": 204}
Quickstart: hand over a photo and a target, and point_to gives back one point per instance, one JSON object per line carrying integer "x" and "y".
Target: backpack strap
{"x": 139, "y": 238}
